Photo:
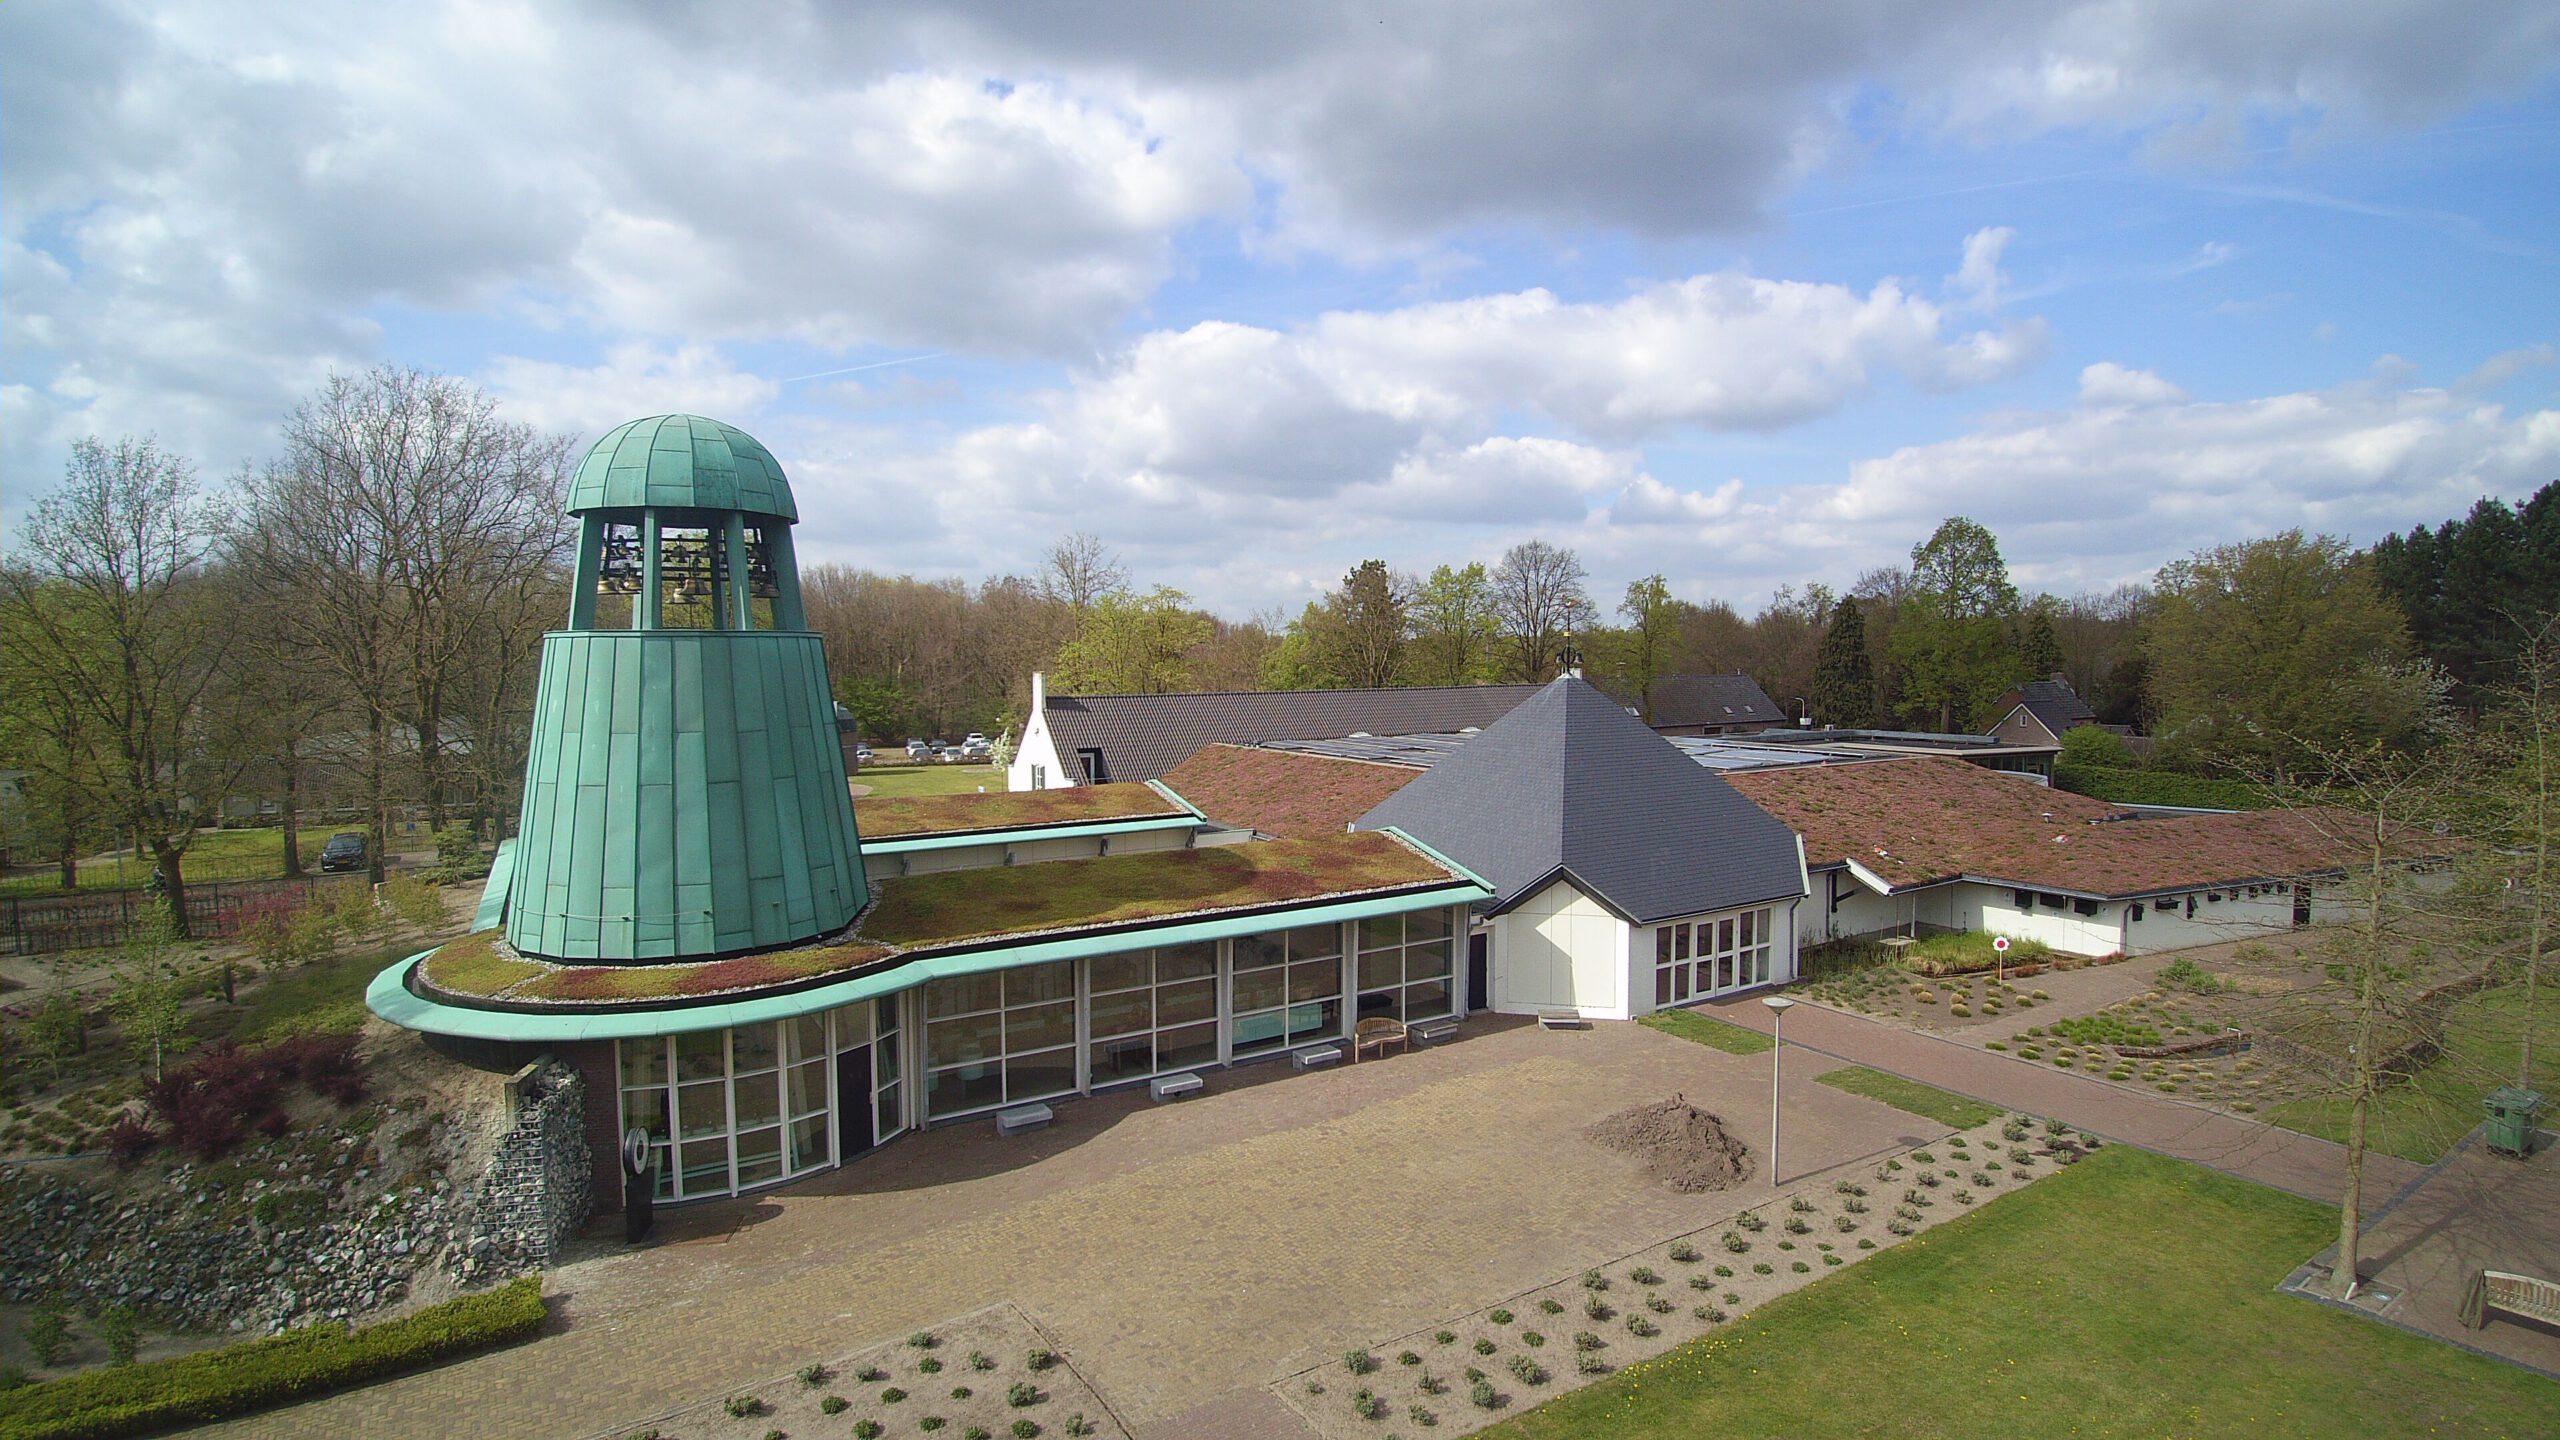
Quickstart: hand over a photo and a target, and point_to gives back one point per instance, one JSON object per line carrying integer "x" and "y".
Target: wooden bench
{"x": 1432, "y": 1032}
{"x": 1560, "y": 1020}
{"x": 2516, "y": 1294}
{"x": 1377, "y": 1033}
{"x": 1166, "y": 1088}
{"x": 1022, "y": 1117}
{"x": 1317, "y": 1057}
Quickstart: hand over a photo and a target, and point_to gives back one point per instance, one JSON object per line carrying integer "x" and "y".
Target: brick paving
{"x": 1181, "y": 1254}
{"x": 2229, "y": 1143}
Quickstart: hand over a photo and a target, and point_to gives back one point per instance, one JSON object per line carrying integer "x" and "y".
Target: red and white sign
{"x": 2000, "y": 942}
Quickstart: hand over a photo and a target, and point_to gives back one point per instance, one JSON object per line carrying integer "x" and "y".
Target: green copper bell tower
{"x": 685, "y": 794}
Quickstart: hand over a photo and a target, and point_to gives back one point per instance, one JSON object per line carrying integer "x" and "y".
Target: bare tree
{"x": 112, "y": 600}
{"x": 400, "y": 504}
{"x": 1538, "y": 594}
{"x": 1079, "y": 570}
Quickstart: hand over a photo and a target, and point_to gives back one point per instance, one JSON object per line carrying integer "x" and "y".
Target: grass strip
{"x": 1910, "y": 1096}
{"x": 296, "y": 1365}
{"x": 2130, "y": 1295}
{"x": 1720, "y": 1034}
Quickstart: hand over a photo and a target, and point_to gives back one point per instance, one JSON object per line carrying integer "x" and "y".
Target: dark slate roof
{"x": 1570, "y": 783}
{"x": 1713, "y": 700}
{"x": 1143, "y": 736}
{"x": 2055, "y": 704}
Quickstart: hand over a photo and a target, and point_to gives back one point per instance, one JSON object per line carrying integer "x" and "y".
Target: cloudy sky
{"x": 1745, "y": 292}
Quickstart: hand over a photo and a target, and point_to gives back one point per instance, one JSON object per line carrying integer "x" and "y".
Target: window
{"x": 1089, "y": 759}
{"x": 1405, "y": 966}
{"x": 1692, "y": 958}
{"x": 729, "y": 1110}
{"x": 1150, "y": 1011}
{"x": 1286, "y": 988}
{"x": 1039, "y": 777}
{"x": 1000, "y": 1038}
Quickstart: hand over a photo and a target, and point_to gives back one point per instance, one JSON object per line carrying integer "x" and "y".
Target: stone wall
{"x": 539, "y": 1186}
{"x": 596, "y": 1060}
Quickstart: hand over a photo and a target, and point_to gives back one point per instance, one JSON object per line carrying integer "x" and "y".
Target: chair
{"x": 1378, "y": 1032}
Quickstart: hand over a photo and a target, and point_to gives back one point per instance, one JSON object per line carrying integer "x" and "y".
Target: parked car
{"x": 920, "y": 751}
{"x": 951, "y": 755}
{"x": 977, "y": 748}
{"x": 345, "y": 851}
{"x": 861, "y": 754}
{"x": 973, "y": 739}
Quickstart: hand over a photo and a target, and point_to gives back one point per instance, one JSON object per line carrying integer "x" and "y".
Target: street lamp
{"x": 1804, "y": 712}
{"x": 1778, "y": 1007}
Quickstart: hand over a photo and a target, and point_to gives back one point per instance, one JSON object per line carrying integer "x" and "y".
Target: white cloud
{"x": 2107, "y": 383}
{"x": 635, "y": 379}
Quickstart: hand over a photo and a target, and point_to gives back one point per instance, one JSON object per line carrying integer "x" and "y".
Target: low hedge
{"x": 296, "y": 1365}
{"x": 2157, "y": 787}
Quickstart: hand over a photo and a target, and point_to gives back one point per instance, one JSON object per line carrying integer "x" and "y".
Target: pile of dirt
{"x": 1681, "y": 1145}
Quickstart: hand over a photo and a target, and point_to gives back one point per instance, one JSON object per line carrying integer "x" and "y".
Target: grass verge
{"x": 2420, "y": 1120}
{"x": 296, "y": 1365}
{"x": 1910, "y": 1096}
{"x": 1721, "y": 1034}
{"x": 895, "y": 781}
{"x": 328, "y": 996}
{"x": 2129, "y": 1295}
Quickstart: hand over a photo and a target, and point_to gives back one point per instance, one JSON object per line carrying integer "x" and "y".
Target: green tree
{"x": 2095, "y": 745}
{"x": 2265, "y": 654}
{"x": 1844, "y": 677}
{"x": 1371, "y": 636}
{"x": 2041, "y": 652}
{"x": 1308, "y": 649}
{"x": 1454, "y": 627}
{"x": 1130, "y": 644}
{"x": 1652, "y": 648}
{"x": 150, "y": 1000}
{"x": 111, "y": 599}
{"x": 1953, "y": 634}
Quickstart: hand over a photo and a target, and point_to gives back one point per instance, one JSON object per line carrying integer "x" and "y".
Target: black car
{"x": 345, "y": 851}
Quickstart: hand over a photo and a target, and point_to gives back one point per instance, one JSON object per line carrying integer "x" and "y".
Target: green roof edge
{"x": 390, "y": 998}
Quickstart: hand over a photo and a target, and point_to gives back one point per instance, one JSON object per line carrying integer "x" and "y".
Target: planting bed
{"x": 1472, "y": 1371}
{"x": 989, "y": 1375}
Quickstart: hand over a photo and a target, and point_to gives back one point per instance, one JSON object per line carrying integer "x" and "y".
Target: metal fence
{"x": 216, "y": 909}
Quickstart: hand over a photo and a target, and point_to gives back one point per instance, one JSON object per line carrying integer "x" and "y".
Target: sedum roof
{"x": 684, "y": 462}
{"x": 1284, "y": 792}
{"x": 1928, "y": 819}
{"x": 887, "y": 817}
{"x": 918, "y": 917}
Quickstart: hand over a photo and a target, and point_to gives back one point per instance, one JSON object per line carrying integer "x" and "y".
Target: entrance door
{"x": 1479, "y": 977}
{"x": 853, "y": 1101}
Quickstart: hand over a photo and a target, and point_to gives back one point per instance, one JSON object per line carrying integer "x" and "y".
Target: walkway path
{"x": 2232, "y": 1144}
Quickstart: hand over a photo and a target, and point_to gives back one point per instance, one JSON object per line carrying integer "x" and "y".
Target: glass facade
{"x": 1695, "y": 958}
{"x": 1405, "y": 967}
{"x": 729, "y": 1110}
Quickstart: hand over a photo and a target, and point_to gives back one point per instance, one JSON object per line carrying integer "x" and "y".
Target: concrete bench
{"x": 1165, "y": 1088}
{"x": 1432, "y": 1032}
{"x": 1316, "y": 1058}
{"x": 1021, "y": 1118}
{"x": 1559, "y": 1019}
{"x": 2520, "y": 1295}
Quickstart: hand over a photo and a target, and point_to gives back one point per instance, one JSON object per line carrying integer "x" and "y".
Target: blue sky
{"x": 1748, "y": 293}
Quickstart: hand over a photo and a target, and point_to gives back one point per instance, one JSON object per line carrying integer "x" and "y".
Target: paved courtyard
{"x": 1183, "y": 1255}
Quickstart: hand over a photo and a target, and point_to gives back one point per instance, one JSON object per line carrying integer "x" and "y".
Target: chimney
{"x": 1039, "y": 692}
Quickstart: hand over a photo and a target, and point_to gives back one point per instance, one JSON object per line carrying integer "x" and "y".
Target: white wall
{"x": 2164, "y": 924}
{"x": 1970, "y": 905}
{"x": 1560, "y": 950}
{"x": 1038, "y": 747}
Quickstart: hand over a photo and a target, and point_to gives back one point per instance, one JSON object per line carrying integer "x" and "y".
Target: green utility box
{"x": 2511, "y": 1118}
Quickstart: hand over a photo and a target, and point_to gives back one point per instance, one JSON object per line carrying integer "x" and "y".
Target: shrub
{"x": 1590, "y": 1365}
{"x": 1551, "y": 1306}
{"x": 981, "y": 1360}
{"x": 1585, "y": 1340}
{"x": 1482, "y": 1393}
{"x": 129, "y": 1139}
{"x": 1724, "y": 1272}
{"x": 1500, "y": 1317}
{"x": 1444, "y": 1337}
{"x": 1595, "y": 1308}
{"x": 866, "y": 1430}
{"x": 892, "y": 1395}
{"x": 1484, "y": 1347}
{"x": 1800, "y": 1268}
{"x": 296, "y": 1365}
{"x": 1685, "y": 1253}
{"x": 1844, "y": 1223}
{"x": 121, "y": 1332}
{"x": 1796, "y": 1226}
{"x": 1800, "y": 1205}
{"x": 1025, "y": 1429}
{"x": 871, "y": 1375}
{"x": 1710, "y": 1314}
{"x": 414, "y": 901}
{"x": 1735, "y": 1243}
{"x": 834, "y": 1405}
{"x": 1407, "y": 1357}
{"x": 46, "y": 1332}
{"x": 815, "y": 1375}
{"x": 1358, "y": 1362}
{"x": 1763, "y": 1269}
{"x": 1658, "y": 1305}
{"x": 1594, "y": 1280}
{"x": 1368, "y": 1406}
{"x": 742, "y": 1406}
{"x": 1527, "y": 1371}
{"x": 1643, "y": 1275}
{"x": 1642, "y": 1328}
{"x": 926, "y": 1422}
{"x": 1421, "y": 1415}
{"x": 1532, "y": 1339}
{"x": 961, "y": 1392}
{"x": 922, "y": 1340}
{"x": 929, "y": 1366}
{"x": 1040, "y": 1360}
{"x": 1023, "y": 1392}
{"x": 1750, "y": 1220}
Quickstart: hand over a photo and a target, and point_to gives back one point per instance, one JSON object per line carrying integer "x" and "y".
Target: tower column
{"x": 647, "y": 607}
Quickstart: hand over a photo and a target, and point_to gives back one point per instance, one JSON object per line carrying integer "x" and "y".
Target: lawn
{"x": 2129, "y": 1295}
{"x": 327, "y": 996}
{"x": 1723, "y": 1035}
{"x": 214, "y": 855}
{"x": 901, "y": 780}
{"x": 1910, "y": 1096}
{"x": 2422, "y": 1119}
